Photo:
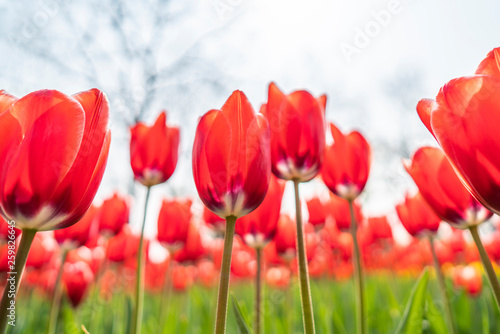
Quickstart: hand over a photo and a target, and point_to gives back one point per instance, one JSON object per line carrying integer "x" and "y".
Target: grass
{"x": 193, "y": 311}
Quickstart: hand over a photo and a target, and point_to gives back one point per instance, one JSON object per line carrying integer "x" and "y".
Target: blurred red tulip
{"x": 380, "y": 227}
{"x": 278, "y": 277}
{"x": 113, "y": 214}
{"x": 78, "y": 234}
{"x": 4, "y": 258}
{"x": 318, "y": 212}
{"x": 123, "y": 246}
{"x": 193, "y": 247}
{"x": 297, "y": 123}
{"x": 468, "y": 278}
{"x": 42, "y": 250}
{"x": 183, "y": 277}
{"x": 243, "y": 263}
{"x": 53, "y": 151}
{"x": 347, "y": 164}
{"x": 154, "y": 151}
{"x": 463, "y": 120}
{"x": 217, "y": 223}
{"x": 285, "y": 236}
{"x": 173, "y": 223}
{"x": 5, "y": 231}
{"x": 207, "y": 273}
{"x": 492, "y": 246}
{"x": 416, "y": 216}
{"x": 442, "y": 189}
{"x": 231, "y": 158}
{"x": 339, "y": 208}
{"x": 77, "y": 278}
{"x": 258, "y": 228}
{"x": 79, "y": 254}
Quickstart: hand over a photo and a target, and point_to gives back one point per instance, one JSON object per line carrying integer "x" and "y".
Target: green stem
{"x": 490, "y": 272}
{"x": 139, "y": 287}
{"x": 56, "y": 300}
{"x": 358, "y": 274}
{"x": 225, "y": 272}
{"x": 258, "y": 289}
{"x": 166, "y": 293}
{"x": 442, "y": 288}
{"x": 9, "y": 294}
{"x": 305, "y": 291}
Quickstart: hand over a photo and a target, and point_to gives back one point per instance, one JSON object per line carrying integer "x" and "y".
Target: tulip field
{"x": 229, "y": 258}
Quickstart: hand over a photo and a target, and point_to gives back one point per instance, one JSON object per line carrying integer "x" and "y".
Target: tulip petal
{"x": 466, "y": 126}
{"x": 424, "y": 109}
{"x": 6, "y": 101}
{"x": 491, "y": 64}
{"x": 75, "y": 185}
{"x": 58, "y": 127}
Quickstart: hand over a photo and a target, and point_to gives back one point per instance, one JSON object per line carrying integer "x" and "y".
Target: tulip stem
{"x": 166, "y": 293}
{"x": 258, "y": 289}
{"x": 16, "y": 272}
{"x": 56, "y": 300}
{"x": 225, "y": 273}
{"x": 358, "y": 274}
{"x": 305, "y": 291}
{"x": 490, "y": 272}
{"x": 442, "y": 288}
{"x": 139, "y": 287}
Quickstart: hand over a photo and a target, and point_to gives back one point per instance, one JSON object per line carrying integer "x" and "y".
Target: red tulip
{"x": 347, "y": 164}
{"x": 215, "y": 222}
{"x": 286, "y": 235}
{"x": 231, "y": 158}
{"x": 468, "y": 278}
{"x": 278, "y": 277}
{"x": 6, "y": 232}
{"x": 207, "y": 273}
{"x": 193, "y": 247}
{"x": 77, "y": 278}
{"x": 42, "y": 250}
{"x": 442, "y": 189}
{"x": 284, "y": 239}
{"x": 258, "y": 228}
{"x": 416, "y": 216}
{"x": 491, "y": 64}
{"x": 380, "y": 227}
{"x": 318, "y": 212}
{"x": 183, "y": 277}
{"x": 78, "y": 234}
{"x": 53, "y": 151}
{"x": 173, "y": 223}
{"x": 123, "y": 246}
{"x": 113, "y": 214}
{"x": 340, "y": 211}
{"x": 463, "y": 120}
{"x": 243, "y": 263}
{"x": 154, "y": 151}
{"x": 297, "y": 123}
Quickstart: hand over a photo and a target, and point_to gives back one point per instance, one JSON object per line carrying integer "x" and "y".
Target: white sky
{"x": 298, "y": 45}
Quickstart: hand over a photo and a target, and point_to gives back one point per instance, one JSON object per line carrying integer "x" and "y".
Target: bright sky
{"x": 374, "y": 59}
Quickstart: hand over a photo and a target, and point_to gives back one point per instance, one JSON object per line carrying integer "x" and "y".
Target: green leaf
{"x": 485, "y": 321}
{"x": 240, "y": 318}
{"x": 435, "y": 317}
{"x": 411, "y": 322}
